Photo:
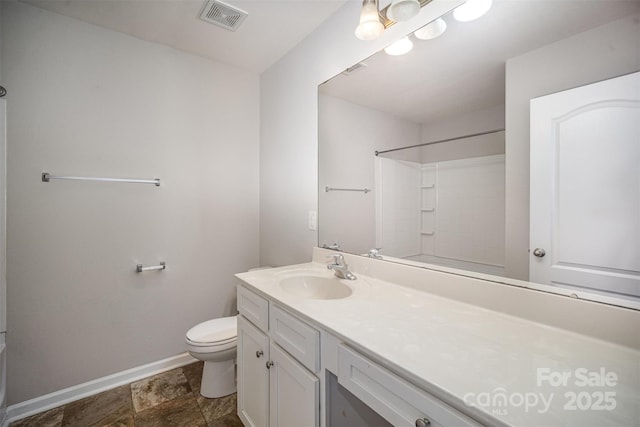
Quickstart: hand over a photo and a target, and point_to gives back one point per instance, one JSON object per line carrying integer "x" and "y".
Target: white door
{"x": 294, "y": 392}
{"x": 585, "y": 188}
{"x": 253, "y": 375}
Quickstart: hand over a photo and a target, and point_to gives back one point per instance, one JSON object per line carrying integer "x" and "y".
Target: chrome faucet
{"x": 341, "y": 268}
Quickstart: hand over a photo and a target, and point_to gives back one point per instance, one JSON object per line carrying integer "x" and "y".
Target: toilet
{"x": 214, "y": 342}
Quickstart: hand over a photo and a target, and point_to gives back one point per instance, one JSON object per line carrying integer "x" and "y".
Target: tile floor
{"x": 168, "y": 399}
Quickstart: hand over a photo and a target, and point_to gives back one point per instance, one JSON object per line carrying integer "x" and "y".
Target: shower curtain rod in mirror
{"x": 438, "y": 142}
{"x": 362, "y": 190}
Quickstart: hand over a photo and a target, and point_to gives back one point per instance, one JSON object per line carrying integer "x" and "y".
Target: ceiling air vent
{"x": 359, "y": 66}
{"x": 223, "y": 15}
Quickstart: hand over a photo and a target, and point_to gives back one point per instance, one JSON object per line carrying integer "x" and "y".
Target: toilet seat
{"x": 211, "y": 344}
{"x": 216, "y": 331}
{"x": 210, "y": 349}
{"x": 215, "y": 335}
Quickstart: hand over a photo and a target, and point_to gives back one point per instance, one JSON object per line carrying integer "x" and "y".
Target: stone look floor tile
{"x": 50, "y": 418}
{"x": 218, "y": 412}
{"x": 158, "y": 389}
{"x": 182, "y": 411}
{"x": 110, "y": 408}
{"x": 216, "y": 409}
{"x": 193, "y": 372}
{"x": 228, "y": 421}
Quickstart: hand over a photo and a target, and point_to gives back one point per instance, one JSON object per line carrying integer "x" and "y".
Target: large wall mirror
{"x": 425, "y": 156}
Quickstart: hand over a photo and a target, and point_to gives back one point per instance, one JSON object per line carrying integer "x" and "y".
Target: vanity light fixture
{"x": 472, "y": 9}
{"x": 403, "y": 10}
{"x": 370, "y": 26}
{"x": 399, "y": 47}
{"x": 431, "y": 30}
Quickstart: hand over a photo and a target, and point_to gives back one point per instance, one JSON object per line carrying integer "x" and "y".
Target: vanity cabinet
{"x": 278, "y": 355}
{"x": 280, "y": 372}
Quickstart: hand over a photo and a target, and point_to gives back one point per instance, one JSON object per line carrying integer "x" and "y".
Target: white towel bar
{"x": 140, "y": 268}
{"x": 46, "y": 177}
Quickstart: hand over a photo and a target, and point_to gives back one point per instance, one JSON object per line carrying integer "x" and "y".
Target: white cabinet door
{"x": 295, "y": 337}
{"x": 253, "y": 375}
{"x": 294, "y": 391}
{"x": 585, "y": 188}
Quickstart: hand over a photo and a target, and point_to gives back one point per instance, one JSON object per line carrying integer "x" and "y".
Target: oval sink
{"x": 315, "y": 287}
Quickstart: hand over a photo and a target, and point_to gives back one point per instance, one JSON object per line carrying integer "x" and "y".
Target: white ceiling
{"x": 464, "y": 69}
{"x": 271, "y": 29}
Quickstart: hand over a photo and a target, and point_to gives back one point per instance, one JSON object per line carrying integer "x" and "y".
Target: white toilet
{"x": 214, "y": 342}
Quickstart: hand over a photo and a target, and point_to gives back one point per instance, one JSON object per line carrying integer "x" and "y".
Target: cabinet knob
{"x": 269, "y": 364}
{"x": 259, "y": 353}
{"x": 423, "y": 422}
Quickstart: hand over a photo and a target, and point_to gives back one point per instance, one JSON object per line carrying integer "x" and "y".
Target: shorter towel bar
{"x": 140, "y": 268}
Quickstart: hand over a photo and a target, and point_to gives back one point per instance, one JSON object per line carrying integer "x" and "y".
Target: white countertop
{"x": 465, "y": 354}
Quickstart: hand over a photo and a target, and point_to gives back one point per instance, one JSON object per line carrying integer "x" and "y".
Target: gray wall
{"x": 607, "y": 51}
{"x": 89, "y": 101}
{"x": 487, "y": 119}
{"x": 478, "y": 121}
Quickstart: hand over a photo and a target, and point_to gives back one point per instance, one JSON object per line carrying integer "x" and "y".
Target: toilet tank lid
{"x": 216, "y": 330}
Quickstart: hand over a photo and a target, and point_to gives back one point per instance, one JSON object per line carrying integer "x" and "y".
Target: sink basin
{"x": 315, "y": 287}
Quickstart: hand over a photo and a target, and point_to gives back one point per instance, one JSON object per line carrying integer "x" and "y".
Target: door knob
{"x": 539, "y": 252}
{"x": 423, "y": 422}
{"x": 259, "y": 353}
{"x": 269, "y": 364}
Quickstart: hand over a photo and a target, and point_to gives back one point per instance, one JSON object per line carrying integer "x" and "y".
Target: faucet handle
{"x": 338, "y": 259}
{"x": 375, "y": 253}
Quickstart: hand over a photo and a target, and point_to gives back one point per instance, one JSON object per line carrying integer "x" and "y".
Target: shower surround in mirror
{"x": 444, "y": 203}
{"x": 395, "y": 215}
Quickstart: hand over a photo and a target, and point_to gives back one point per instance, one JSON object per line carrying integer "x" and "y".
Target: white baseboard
{"x": 64, "y": 396}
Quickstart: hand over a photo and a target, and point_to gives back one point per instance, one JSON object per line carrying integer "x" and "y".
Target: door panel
{"x": 585, "y": 188}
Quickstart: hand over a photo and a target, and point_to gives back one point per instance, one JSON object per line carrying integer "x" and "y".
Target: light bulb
{"x": 370, "y": 26}
{"x": 399, "y": 47}
{"x": 403, "y": 10}
{"x": 431, "y": 30}
{"x": 472, "y": 9}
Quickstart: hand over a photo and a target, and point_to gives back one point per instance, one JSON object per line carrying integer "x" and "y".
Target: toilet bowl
{"x": 214, "y": 342}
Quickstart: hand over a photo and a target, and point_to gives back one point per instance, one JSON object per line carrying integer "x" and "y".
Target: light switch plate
{"x": 313, "y": 220}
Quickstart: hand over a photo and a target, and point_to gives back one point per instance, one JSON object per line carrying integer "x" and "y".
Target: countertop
{"x": 473, "y": 358}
